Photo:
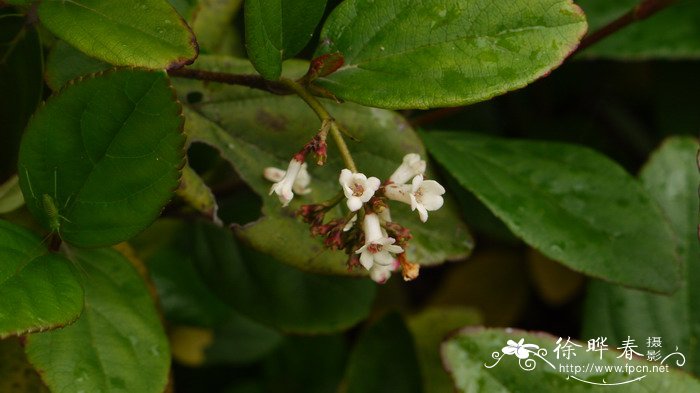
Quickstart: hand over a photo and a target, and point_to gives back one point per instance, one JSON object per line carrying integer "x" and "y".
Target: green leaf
{"x": 275, "y": 294}
{"x": 16, "y": 374}
{"x": 571, "y": 203}
{"x": 116, "y": 146}
{"x": 384, "y": 360}
{"x": 404, "y": 54}
{"x": 65, "y": 63}
{"x": 197, "y": 194}
{"x": 39, "y": 291}
{"x": 20, "y": 83}
{"x": 671, "y": 177}
{"x": 240, "y": 341}
{"x": 144, "y": 33}
{"x": 214, "y": 27}
{"x": 10, "y": 195}
{"x": 429, "y": 329}
{"x": 669, "y": 34}
{"x": 467, "y": 354}
{"x": 117, "y": 344}
{"x": 184, "y": 297}
{"x": 276, "y": 30}
{"x": 266, "y": 130}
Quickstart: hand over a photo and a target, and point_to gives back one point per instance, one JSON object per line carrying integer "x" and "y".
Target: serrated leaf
{"x": 467, "y": 354}
{"x": 20, "y": 83}
{"x": 671, "y": 177}
{"x": 276, "y": 30}
{"x": 116, "y": 146}
{"x": 407, "y": 54}
{"x": 16, "y": 374}
{"x": 144, "y": 33}
{"x": 429, "y": 328}
{"x": 254, "y": 130}
{"x": 384, "y": 360}
{"x": 272, "y": 293}
{"x": 65, "y": 63}
{"x": 670, "y": 34}
{"x": 39, "y": 290}
{"x": 117, "y": 344}
{"x": 572, "y": 204}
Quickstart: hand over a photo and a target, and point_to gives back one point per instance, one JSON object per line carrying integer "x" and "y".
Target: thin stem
{"x": 324, "y": 116}
{"x": 643, "y": 10}
{"x": 249, "y": 80}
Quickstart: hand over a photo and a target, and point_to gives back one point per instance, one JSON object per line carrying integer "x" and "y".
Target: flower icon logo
{"x": 519, "y": 349}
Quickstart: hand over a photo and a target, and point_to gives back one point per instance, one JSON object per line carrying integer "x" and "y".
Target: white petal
{"x": 367, "y": 259}
{"x": 273, "y": 174}
{"x": 354, "y": 203}
{"x": 522, "y": 353}
{"x": 373, "y": 183}
{"x": 422, "y": 212}
{"x": 432, "y": 187}
{"x": 508, "y": 350}
{"x": 416, "y": 183}
{"x": 383, "y": 258}
{"x": 345, "y": 176}
{"x": 351, "y": 222}
{"x": 379, "y": 274}
{"x": 414, "y": 202}
{"x": 394, "y": 249}
{"x": 432, "y": 202}
{"x": 372, "y": 228}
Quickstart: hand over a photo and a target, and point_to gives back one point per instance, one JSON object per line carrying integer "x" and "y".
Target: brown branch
{"x": 642, "y": 11}
{"x": 249, "y": 80}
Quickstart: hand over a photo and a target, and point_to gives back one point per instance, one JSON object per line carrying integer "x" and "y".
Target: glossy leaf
{"x": 39, "y": 290}
{"x": 403, "y": 54}
{"x": 116, "y": 146}
{"x": 20, "y": 83}
{"x": 669, "y": 34}
{"x": 429, "y": 329}
{"x": 671, "y": 177}
{"x": 117, "y": 344}
{"x": 16, "y": 374}
{"x": 145, "y": 33}
{"x": 384, "y": 360}
{"x": 265, "y": 130}
{"x": 272, "y": 293}
{"x": 277, "y": 30}
{"x": 467, "y": 353}
{"x": 241, "y": 340}
{"x": 571, "y": 203}
{"x": 10, "y": 195}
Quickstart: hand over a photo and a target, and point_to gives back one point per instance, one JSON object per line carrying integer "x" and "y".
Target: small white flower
{"x": 411, "y": 166}
{"x": 351, "y": 222}
{"x": 378, "y": 249}
{"x": 519, "y": 349}
{"x": 381, "y": 273}
{"x": 357, "y": 188}
{"x": 424, "y": 195}
{"x": 295, "y": 179}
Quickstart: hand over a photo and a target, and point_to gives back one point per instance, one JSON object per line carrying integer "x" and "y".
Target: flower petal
{"x": 383, "y": 258}
{"x": 367, "y": 259}
{"x": 422, "y": 212}
{"x": 354, "y": 203}
{"x": 432, "y": 202}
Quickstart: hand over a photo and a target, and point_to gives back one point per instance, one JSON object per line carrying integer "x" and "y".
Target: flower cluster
{"x": 378, "y": 244}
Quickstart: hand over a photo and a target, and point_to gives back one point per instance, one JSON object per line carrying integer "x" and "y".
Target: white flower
{"x": 295, "y": 179}
{"x": 378, "y": 249}
{"x": 351, "y": 222}
{"x": 411, "y": 166}
{"x": 357, "y": 188}
{"x": 424, "y": 195}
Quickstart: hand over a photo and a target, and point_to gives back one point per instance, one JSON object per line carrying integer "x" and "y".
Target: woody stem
{"x": 324, "y": 116}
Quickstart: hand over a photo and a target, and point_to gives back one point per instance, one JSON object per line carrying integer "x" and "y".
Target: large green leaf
{"x": 146, "y": 33}
{"x": 407, "y": 54}
{"x": 384, "y": 360}
{"x": 240, "y": 340}
{"x": 672, "y": 178}
{"x": 38, "y": 290}
{"x": 278, "y": 29}
{"x": 273, "y": 293}
{"x": 571, "y": 203}
{"x": 117, "y": 344}
{"x": 20, "y": 84}
{"x": 429, "y": 329}
{"x": 467, "y": 354}
{"x": 106, "y": 151}
{"x": 670, "y": 34}
{"x": 254, "y": 130}
{"x": 16, "y": 374}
